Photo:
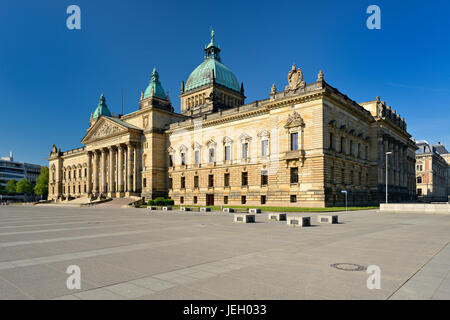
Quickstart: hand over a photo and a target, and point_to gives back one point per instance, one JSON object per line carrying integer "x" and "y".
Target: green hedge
{"x": 160, "y": 201}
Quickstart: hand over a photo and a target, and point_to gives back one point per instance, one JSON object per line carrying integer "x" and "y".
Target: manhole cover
{"x": 348, "y": 266}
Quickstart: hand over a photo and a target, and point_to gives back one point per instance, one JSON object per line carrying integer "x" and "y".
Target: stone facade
{"x": 299, "y": 147}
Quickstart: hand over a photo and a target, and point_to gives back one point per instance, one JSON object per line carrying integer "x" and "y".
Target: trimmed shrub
{"x": 169, "y": 202}
{"x": 160, "y": 201}
{"x": 151, "y": 203}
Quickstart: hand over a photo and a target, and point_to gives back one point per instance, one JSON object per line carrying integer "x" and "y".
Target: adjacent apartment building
{"x": 432, "y": 172}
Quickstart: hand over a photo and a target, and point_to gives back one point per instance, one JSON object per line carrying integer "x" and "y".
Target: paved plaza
{"x": 138, "y": 254}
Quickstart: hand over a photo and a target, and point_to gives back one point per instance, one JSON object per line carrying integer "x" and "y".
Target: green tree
{"x": 41, "y": 188}
{"x": 11, "y": 186}
{"x": 24, "y": 186}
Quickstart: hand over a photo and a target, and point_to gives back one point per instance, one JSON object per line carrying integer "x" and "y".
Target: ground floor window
{"x": 195, "y": 199}
{"x": 293, "y": 198}
{"x": 145, "y": 182}
{"x": 419, "y": 192}
{"x": 225, "y": 199}
{"x": 263, "y": 199}
{"x": 181, "y": 200}
{"x": 243, "y": 199}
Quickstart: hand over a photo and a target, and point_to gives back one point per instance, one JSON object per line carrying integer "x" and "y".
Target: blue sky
{"x": 51, "y": 77}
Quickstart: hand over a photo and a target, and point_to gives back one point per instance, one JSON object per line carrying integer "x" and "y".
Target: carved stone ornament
{"x": 145, "y": 121}
{"x": 295, "y": 78}
{"x": 106, "y": 129}
{"x": 273, "y": 90}
{"x": 294, "y": 121}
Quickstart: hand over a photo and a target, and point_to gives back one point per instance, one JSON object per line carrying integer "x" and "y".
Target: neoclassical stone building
{"x": 300, "y": 146}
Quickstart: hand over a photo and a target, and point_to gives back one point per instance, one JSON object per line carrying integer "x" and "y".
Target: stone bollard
{"x": 244, "y": 218}
{"x": 328, "y": 219}
{"x": 166, "y": 208}
{"x": 299, "y": 221}
{"x": 205, "y": 209}
{"x": 253, "y": 211}
{"x": 277, "y": 216}
{"x": 228, "y": 210}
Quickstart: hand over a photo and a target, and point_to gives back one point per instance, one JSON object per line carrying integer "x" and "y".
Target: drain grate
{"x": 348, "y": 266}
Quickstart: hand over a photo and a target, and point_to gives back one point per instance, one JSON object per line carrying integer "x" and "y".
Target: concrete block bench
{"x": 152, "y": 208}
{"x": 244, "y": 218}
{"x": 299, "y": 221}
{"x": 277, "y": 216}
{"x": 185, "y": 209}
{"x": 327, "y": 219}
{"x": 166, "y": 208}
{"x": 253, "y": 211}
{"x": 228, "y": 210}
{"x": 205, "y": 209}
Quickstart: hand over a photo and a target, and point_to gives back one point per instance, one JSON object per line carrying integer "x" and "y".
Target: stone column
{"x": 130, "y": 151}
{"x": 103, "y": 172}
{"x": 95, "y": 172}
{"x": 89, "y": 173}
{"x": 120, "y": 168}
{"x": 135, "y": 169}
{"x": 111, "y": 185}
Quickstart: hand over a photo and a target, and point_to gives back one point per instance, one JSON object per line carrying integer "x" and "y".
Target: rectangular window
{"x": 211, "y": 180}
{"x": 264, "y": 178}
{"x": 227, "y": 153}
{"x": 359, "y": 150}
{"x": 195, "y": 181}
{"x": 366, "y": 153}
{"x": 244, "y": 178}
{"x": 170, "y": 160}
{"x": 144, "y": 182}
{"x": 181, "y": 200}
{"x": 331, "y": 141}
{"x": 342, "y": 145}
{"x": 351, "y": 177}
{"x": 419, "y": 179}
{"x": 264, "y": 148}
{"x": 293, "y": 198}
{"x": 226, "y": 179}
{"x": 211, "y": 155}
{"x": 351, "y": 148}
{"x": 183, "y": 182}
{"x": 263, "y": 199}
{"x": 419, "y": 192}
{"x": 170, "y": 183}
{"x": 195, "y": 199}
{"x": 294, "y": 141}
{"x": 243, "y": 199}
{"x": 183, "y": 158}
{"x": 244, "y": 150}
{"x": 225, "y": 199}
{"x": 196, "y": 156}
{"x": 294, "y": 175}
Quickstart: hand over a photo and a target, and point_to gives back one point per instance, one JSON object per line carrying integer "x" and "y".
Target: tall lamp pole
{"x": 387, "y": 153}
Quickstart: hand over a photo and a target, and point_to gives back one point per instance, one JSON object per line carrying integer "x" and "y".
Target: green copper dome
{"x": 154, "y": 87}
{"x": 102, "y": 108}
{"x": 212, "y": 68}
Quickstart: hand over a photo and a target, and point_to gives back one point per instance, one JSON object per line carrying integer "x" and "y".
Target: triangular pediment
{"x": 103, "y": 128}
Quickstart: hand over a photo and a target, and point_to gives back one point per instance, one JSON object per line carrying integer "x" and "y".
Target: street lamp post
{"x": 345, "y": 191}
{"x": 387, "y": 153}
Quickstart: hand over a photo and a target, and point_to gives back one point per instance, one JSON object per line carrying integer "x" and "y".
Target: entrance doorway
{"x": 210, "y": 199}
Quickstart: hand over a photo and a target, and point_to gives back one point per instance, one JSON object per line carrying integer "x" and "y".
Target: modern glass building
{"x": 10, "y": 169}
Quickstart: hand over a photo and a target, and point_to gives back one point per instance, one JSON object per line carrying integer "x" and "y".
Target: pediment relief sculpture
{"x": 294, "y": 121}
{"x": 106, "y": 129}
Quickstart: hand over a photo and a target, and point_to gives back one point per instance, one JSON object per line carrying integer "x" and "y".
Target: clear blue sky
{"x": 51, "y": 77}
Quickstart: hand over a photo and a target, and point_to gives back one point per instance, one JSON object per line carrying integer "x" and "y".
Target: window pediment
{"x": 294, "y": 121}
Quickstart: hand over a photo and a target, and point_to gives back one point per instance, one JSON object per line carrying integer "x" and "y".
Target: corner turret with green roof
{"x": 102, "y": 108}
{"x": 154, "y": 87}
